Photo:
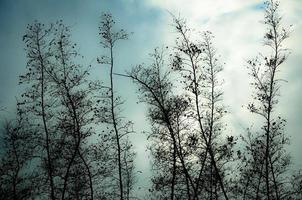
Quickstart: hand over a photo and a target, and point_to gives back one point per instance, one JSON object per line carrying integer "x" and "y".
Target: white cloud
{"x": 206, "y": 8}
{"x": 238, "y": 36}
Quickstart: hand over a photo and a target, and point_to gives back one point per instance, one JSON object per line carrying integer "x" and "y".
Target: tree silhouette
{"x": 165, "y": 111}
{"x": 69, "y": 104}
{"x": 199, "y": 67}
{"x": 36, "y": 101}
{"x": 17, "y": 149}
{"x": 265, "y": 154}
{"x": 70, "y": 139}
{"x": 76, "y": 117}
{"x": 112, "y": 108}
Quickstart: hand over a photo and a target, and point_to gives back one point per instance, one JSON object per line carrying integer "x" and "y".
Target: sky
{"x": 238, "y": 32}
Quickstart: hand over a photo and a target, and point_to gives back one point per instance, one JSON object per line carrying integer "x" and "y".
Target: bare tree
{"x": 196, "y": 158}
{"x": 199, "y": 67}
{"x": 17, "y": 148}
{"x": 166, "y": 112}
{"x": 70, "y": 139}
{"x": 68, "y": 117}
{"x": 76, "y": 116}
{"x": 36, "y": 99}
{"x": 266, "y": 156}
{"x": 109, "y": 38}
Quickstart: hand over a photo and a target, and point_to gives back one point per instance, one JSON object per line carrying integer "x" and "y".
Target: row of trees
{"x": 50, "y": 149}
{"x": 70, "y": 140}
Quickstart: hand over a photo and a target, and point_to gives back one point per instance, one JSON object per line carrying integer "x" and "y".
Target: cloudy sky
{"x": 238, "y": 36}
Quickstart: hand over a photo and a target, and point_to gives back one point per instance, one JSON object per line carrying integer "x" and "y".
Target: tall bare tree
{"x": 196, "y": 159}
{"x": 17, "y": 151}
{"x": 265, "y": 154}
{"x": 165, "y": 113}
{"x": 63, "y": 103}
{"x": 76, "y": 114}
{"x": 36, "y": 100}
{"x": 109, "y": 38}
{"x": 199, "y": 67}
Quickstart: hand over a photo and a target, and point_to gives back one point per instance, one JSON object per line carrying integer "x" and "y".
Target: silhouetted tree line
{"x": 69, "y": 139}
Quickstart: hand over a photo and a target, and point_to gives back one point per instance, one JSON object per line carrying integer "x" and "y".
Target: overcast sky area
{"x": 238, "y": 32}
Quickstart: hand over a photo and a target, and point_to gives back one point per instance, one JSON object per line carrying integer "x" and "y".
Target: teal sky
{"x": 235, "y": 23}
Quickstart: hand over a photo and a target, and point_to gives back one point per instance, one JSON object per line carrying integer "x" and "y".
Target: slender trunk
{"x": 275, "y": 66}
{"x": 268, "y": 129}
{"x": 77, "y": 145}
{"x": 173, "y": 173}
{"x": 212, "y": 106}
{"x": 77, "y": 128}
{"x": 67, "y": 172}
{"x": 274, "y": 179}
{"x": 211, "y": 182}
{"x": 200, "y": 173}
{"x": 179, "y": 152}
{"x": 77, "y": 151}
{"x": 219, "y": 176}
{"x": 128, "y": 180}
{"x": 115, "y": 126}
{"x": 174, "y": 146}
{"x": 180, "y": 149}
{"x": 49, "y": 162}
{"x": 266, "y": 158}
{"x": 66, "y": 177}
{"x": 199, "y": 116}
{"x": 259, "y": 182}
{"x": 269, "y": 112}
{"x": 89, "y": 174}
{"x": 170, "y": 129}
{"x": 203, "y": 134}
{"x": 15, "y": 177}
{"x": 188, "y": 188}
